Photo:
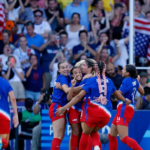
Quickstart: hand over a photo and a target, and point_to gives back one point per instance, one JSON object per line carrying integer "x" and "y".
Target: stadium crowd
{"x": 41, "y": 33}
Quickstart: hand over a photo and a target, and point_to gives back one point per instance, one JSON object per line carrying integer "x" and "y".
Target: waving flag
{"x": 141, "y": 38}
{"x": 2, "y": 17}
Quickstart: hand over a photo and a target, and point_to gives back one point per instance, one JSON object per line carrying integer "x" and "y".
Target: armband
{"x": 125, "y": 100}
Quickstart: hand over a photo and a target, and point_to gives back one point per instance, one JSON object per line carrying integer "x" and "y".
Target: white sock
{"x": 97, "y": 147}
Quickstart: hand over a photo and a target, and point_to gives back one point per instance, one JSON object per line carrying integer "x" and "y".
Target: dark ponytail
{"x": 90, "y": 63}
{"x": 100, "y": 69}
{"x": 132, "y": 71}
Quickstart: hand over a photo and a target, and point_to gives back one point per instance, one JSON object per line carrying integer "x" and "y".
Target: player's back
{"x": 91, "y": 87}
{"x": 129, "y": 88}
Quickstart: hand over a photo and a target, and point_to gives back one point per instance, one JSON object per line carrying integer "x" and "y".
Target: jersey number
{"x": 133, "y": 94}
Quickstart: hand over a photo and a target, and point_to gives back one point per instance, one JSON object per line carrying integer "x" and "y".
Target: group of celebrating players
{"x": 83, "y": 94}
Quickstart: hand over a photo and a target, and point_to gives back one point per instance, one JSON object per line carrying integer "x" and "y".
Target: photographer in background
{"x": 44, "y": 102}
{"x": 144, "y": 101}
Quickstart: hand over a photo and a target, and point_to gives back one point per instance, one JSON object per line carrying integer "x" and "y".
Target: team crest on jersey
{"x": 134, "y": 83}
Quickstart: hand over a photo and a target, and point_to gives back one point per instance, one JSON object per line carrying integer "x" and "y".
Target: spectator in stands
{"x": 103, "y": 54}
{"x": 10, "y": 25}
{"x": 104, "y": 42}
{"x": 120, "y": 68}
{"x": 84, "y": 47}
{"x": 117, "y": 22}
{"x": 80, "y": 7}
{"x": 138, "y": 8}
{"x": 93, "y": 34}
{"x": 59, "y": 29}
{"x": 5, "y": 40}
{"x": 113, "y": 75}
{"x": 83, "y": 57}
{"x": 15, "y": 12}
{"x": 64, "y": 3}
{"x": 122, "y": 61}
{"x": 99, "y": 14}
{"x": 54, "y": 67}
{"x": 54, "y": 14}
{"x": 124, "y": 9}
{"x": 15, "y": 77}
{"x": 148, "y": 75}
{"x": 34, "y": 40}
{"x": 36, "y": 133}
{"x": 23, "y": 52}
{"x": 143, "y": 81}
{"x": 28, "y": 15}
{"x": 144, "y": 101}
{"x": 1, "y": 65}
{"x": 35, "y": 79}
{"x": 41, "y": 27}
{"x": 50, "y": 48}
{"x": 27, "y": 121}
{"x": 63, "y": 45}
{"x": 143, "y": 78}
{"x": 6, "y": 53}
{"x": 73, "y": 30}
{"x": 147, "y": 15}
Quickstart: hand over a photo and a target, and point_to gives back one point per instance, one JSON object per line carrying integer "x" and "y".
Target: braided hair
{"x": 100, "y": 69}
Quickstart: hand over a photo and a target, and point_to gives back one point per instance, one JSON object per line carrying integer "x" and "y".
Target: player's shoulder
{"x": 3, "y": 80}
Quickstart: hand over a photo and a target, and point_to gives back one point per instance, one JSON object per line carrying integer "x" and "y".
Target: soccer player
{"x": 5, "y": 91}
{"x": 129, "y": 87}
{"x": 59, "y": 99}
{"x": 96, "y": 110}
{"x": 74, "y": 112}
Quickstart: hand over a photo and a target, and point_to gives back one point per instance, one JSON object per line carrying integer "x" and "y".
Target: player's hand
{"x": 138, "y": 78}
{"x": 60, "y": 111}
{"x": 128, "y": 102}
{"x": 15, "y": 121}
{"x": 73, "y": 82}
{"x": 58, "y": 85}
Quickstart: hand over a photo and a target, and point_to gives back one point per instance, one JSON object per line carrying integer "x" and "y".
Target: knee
{"x": 123, "y": 138}
{"x": 76, "y": 132}
{"x": 59, "y": 134}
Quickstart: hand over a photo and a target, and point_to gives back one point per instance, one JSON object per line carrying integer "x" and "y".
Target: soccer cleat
{"x": 1, "y": 144}
{"x": 97, "y": 148}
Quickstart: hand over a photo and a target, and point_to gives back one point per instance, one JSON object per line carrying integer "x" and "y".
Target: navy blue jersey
{"x": 5, "y": 88}
{"x": 92, "y": 89}
{"x": 128, "y": 88}
{"x": 59, "y": 96}
{"x": 78, "y": 105}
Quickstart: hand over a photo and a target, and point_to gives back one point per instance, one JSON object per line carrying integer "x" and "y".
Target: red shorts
{"x": 96, "y": 121}
{"x": 52, "y": 110}
{"x": 121, "y": 121}
{"x": 73, "y": 115}
{"x": 4, "y": 127}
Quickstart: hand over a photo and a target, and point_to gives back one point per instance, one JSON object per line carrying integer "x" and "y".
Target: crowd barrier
{"x": 139, "y": 129}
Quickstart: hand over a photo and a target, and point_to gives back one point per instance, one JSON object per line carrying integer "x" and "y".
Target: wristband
{"x": 144, "y": 99}
{"x": 125, "y": 100}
